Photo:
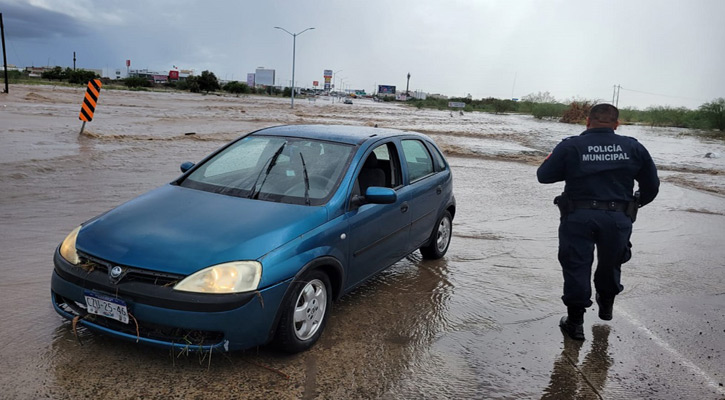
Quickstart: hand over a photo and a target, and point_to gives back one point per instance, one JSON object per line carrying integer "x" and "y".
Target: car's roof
{"x": 336, "y": 133}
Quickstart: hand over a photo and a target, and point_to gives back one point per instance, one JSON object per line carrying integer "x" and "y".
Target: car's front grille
{"x": 130, "y": 274}
{"x": 147, "y": 330}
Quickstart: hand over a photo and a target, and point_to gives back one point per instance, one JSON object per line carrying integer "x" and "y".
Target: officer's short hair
{"x": 604, "y": 113}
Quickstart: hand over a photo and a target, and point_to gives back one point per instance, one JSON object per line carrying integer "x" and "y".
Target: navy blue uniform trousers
{"x": 579, "y": 232}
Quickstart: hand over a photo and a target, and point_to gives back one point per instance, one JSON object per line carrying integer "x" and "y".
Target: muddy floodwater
{"x": 481, "y": 323}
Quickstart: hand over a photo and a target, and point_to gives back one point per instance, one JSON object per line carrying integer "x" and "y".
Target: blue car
{"x": 252, "y": 244}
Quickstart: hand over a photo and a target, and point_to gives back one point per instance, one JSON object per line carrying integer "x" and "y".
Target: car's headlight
{"x": 68, "y": 247}
{"x": 232, "y": 277}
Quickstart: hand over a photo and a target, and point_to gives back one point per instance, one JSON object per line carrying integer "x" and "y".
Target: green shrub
{"x": 548, "y": 110}
{"x": 666, "y": 116}
{"x": 137, "y": 81}
{"x": 502, "y": 106}
{"x": 237, "y": 87}
{"x": 15, "y": 76}
{"x": 191, "y": 84}
{"x": 56, "y": 73}
{"x": 714, "y": 114}
{"x": 80, "y": 76}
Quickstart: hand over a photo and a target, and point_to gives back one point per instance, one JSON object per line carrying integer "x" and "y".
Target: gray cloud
{"x": 662, "y": 52}
{"x": 25, "y": 21}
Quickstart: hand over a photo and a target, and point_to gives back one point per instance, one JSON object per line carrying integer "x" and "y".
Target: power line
{"x": 659, "y": 94}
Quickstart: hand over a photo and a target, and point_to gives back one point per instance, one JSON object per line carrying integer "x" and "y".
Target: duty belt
{"x": 601, "y": 205}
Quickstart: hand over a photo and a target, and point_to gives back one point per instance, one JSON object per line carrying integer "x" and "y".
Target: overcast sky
{"x": 661, "y": 52}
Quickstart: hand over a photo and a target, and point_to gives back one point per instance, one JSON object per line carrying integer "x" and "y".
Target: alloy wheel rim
{"x": 444, "y": 234}
{"x": 310, "y": 309}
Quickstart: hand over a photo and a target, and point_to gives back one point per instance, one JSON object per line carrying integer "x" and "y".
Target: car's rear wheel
{"x": 440, "y": 239}
{"x": 304, "y": 312}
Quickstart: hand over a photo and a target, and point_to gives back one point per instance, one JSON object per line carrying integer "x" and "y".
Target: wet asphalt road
{"x": 480, "y": 323}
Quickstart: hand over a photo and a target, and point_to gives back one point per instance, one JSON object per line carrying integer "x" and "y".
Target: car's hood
{"x": 180, "y": 230}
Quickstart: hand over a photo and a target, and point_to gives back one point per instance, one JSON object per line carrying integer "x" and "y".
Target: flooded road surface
{"x": 480, "y": 323}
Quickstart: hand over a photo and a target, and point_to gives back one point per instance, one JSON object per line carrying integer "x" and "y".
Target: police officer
{"x": 598, "y": 207}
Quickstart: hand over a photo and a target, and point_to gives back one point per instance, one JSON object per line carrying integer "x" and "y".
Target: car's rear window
{"x": 274, "y": 168}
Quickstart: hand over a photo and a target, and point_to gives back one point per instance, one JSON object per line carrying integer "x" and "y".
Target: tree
{"x": 53, "y": 74}
{"x": 714, "y": 113}
{"x": 208, "y": 82}
{"x": 540, "y": 97}
{"x": 80, "y": 76}
{"x": 237, "y": 87}
{"x": 502, "y": 106}
{"x": 191, "y": 84}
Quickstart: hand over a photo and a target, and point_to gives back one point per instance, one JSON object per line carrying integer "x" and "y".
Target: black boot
{"x": 605, "y": 308}
{"x": 573, "y": 324}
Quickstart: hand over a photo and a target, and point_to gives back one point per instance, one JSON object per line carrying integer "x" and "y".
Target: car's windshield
{"x": 274, "y": 168}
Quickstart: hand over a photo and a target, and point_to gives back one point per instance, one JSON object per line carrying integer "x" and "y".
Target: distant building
{"x": 35, "y": 72}
{"x": 118, "y": 73}
{"x": 419, "y": 95}
{"x": 263, "y": 76}
{"x": 161, "y": 76}
{"x": 12, "y": 67}
{"x": 143, "y": 73}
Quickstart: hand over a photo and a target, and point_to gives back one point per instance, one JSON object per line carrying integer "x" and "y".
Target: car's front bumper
{"x": 167, "y": 318}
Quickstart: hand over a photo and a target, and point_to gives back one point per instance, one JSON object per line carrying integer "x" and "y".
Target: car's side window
{"x": 381, "y": 168}
{"x": 417, "y": 158}
{"x": 389, "y": 163}
{"x": 438, "y": 158}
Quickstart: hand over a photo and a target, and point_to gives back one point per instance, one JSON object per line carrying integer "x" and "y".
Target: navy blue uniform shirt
{"x": 601, "y": 165}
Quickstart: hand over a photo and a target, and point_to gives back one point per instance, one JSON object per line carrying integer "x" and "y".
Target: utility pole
{"x": 619, "y": 89}
{"x": 407, "y": 85}
{"x": 5, "y": 59}
{"x": 615, "y": 95}
{"x": 74, "y": 61}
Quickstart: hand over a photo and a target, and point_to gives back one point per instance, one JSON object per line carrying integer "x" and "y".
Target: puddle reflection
{"x": 571, "y": 380}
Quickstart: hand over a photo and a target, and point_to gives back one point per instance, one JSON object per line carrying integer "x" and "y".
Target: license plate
{"x": 106, "y": 306}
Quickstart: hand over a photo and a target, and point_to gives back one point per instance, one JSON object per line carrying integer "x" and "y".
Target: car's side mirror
{"x": 380, "y": 195}
{"x": 185, "y": 166}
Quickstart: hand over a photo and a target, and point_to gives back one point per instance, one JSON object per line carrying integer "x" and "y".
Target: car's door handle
{"x": 404, "y": 207}
{"x": 439, "y": 190}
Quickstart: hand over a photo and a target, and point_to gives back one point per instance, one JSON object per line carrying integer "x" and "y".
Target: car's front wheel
{"x": 304, "y": 313}
{"x": 440, "y": 239}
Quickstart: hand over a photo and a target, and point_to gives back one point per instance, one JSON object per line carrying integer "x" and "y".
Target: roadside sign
{"x": 90, "y": 101}
{"x": 456, "y": 104}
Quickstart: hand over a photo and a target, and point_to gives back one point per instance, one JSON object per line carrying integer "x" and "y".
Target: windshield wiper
{"x": 307, "y": 180}
{"x": 269, "y": 165}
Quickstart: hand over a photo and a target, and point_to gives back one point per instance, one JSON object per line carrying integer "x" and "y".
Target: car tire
{"x": 304, "y": 312}
{"x": 440, "y": 239}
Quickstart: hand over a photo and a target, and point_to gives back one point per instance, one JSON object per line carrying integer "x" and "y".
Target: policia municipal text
{"x": 598, "y": 207}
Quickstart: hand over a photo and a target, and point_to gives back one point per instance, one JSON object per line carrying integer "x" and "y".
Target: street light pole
{"x": 334, "y": 79}
{"x": 294, "y": 45}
